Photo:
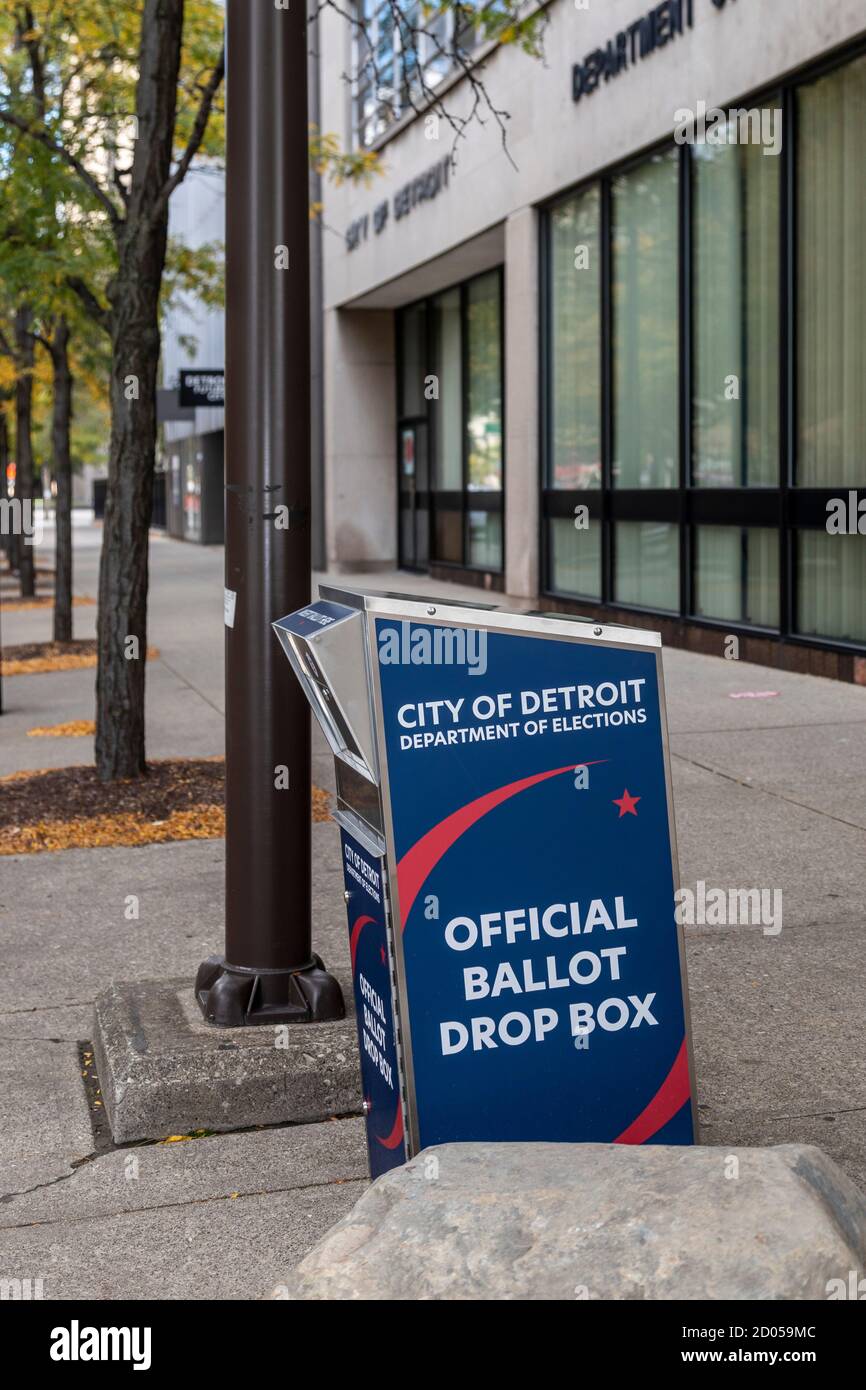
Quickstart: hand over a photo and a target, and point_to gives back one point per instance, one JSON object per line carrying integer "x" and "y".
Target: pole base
{"x": 232, "y": 997}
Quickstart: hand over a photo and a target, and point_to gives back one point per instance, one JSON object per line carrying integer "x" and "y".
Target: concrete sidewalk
{"x": 769, "y": 794}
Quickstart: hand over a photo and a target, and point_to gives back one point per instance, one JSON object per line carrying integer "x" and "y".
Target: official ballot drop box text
{"x": 504, "y": 803}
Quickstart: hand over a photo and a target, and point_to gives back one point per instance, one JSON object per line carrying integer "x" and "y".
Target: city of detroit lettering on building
{"x": 523, "y": 973}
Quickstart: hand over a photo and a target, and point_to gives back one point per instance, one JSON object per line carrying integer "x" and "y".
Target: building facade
{"x": 193, "y": 338}
{"x": 608, "y": 351}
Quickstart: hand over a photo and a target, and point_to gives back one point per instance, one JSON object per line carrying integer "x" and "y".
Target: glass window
{"x": 466, "y": 35}
{"x": 447, "y": 414}
{"x": 647, "y": 563}
{"x": 735, "y": 408}
{"x": 398, "y": 60}
{"x": 831, "y": 287}
{"x": 754, "y": 190}
{"x": 448, "y": 534}
{"x": 448, "y": 409}
{"x": 462, "y": 405}
{"x": 575, "y": 347}
{"x": 384, "y": 50}
{"x": 831, "y": 586}
{"x": 484, "y": 387}
{"x": 413, "y": 360}
{"x": 737, "y": 574}
{"x": 438, "y": 62}
{"x": 575, "y": 558}
{"x": 484, "y": 413}
{"x": 645, "y": 336}
{"x": 485, "y": 538}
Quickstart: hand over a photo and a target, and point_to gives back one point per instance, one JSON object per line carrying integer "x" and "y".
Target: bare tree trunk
{"x": 135, "y": 341}
{"x": 24, "y": 480}
{"x": 123, "y": 573}
{"x": 60, "y": 431}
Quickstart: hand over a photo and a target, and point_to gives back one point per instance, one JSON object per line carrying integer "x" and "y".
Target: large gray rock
{"x": 599, "y": 1221}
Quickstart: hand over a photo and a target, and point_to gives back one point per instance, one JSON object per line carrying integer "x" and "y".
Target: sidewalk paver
{"x": 221, "y": 1217}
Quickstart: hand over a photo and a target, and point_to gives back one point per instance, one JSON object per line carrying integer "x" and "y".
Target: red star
{"x": 382, "y": 954}
{"x": 626, "y": 804}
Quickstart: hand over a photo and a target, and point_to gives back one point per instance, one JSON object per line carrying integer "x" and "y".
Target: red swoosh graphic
{"x": 355, "y": 937}
{"x": 420, "y": 861}
{"x": 396, "y": 1135}
{"x": 670, "y": 1097}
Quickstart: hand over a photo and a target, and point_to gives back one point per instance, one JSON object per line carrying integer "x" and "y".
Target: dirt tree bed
{"x": 37, "y": 658}
{"x": 69, "y": 808}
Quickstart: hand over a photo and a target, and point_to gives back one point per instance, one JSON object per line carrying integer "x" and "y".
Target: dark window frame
{"x": 786, "y": 508}
{"x": 492, "y": 501}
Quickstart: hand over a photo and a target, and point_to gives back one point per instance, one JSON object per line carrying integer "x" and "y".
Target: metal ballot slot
{"x": 506, "y": 817}
{"x": 325, "y": 644}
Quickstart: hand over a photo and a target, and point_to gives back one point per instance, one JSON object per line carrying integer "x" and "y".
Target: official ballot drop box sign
{"x": 504, "y": 800}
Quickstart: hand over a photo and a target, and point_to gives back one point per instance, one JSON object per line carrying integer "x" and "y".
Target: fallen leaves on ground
{"x": 69, "y": 808}
{"x": 184, "y": 1138}
{"x": 37, "y": 658}
{"x": 24, "y": 605}
{"x": 76, "y": 728}
{"x": 202, "y": 823}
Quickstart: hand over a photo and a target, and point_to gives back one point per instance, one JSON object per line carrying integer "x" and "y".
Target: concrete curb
{"x": 163, "y": 1070}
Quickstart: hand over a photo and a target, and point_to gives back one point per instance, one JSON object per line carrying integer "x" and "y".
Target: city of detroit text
{"x": 559, "y": 709}
{"x": 604, "y": 963}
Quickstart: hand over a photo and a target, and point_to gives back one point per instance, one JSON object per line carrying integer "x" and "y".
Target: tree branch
{"x": 26, "y": 37}
{"x": 427, "y": 56}
{"x": 91, "y": 304}
{"x": 10, "y": 118}
{"x": 199, "y": 127}
{"x": 117, "y": 177}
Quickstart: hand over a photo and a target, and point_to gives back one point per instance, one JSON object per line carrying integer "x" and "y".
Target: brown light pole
{"x": 268, "y": 973}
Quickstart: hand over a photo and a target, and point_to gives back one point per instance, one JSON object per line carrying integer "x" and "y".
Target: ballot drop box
{"x": 507, "y": 838}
